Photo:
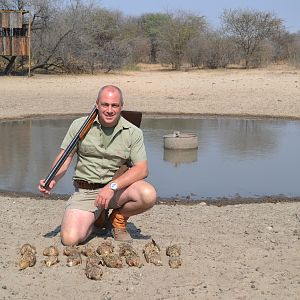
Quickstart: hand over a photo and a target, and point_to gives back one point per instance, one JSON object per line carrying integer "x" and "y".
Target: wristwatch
{"x": 113, "y": 186}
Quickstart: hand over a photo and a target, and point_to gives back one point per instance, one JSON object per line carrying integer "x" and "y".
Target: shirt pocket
{"x": 87, "y": 150}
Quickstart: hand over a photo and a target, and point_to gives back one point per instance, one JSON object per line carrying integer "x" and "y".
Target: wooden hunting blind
{"x": 14, "y": 33}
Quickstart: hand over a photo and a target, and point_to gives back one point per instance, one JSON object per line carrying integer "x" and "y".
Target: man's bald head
{"x": 111, "y": 89}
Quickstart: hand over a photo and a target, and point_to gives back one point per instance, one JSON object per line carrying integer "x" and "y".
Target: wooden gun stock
{"x": 134, "y": 117}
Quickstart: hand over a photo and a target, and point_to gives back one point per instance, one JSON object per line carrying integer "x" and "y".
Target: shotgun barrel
{"x": 79, "y": 136}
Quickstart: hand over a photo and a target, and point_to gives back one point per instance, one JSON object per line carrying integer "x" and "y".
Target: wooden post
{"x": 29, "y": 46}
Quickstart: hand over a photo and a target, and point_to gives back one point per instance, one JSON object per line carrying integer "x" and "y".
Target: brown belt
{"x": 82, "y": 184}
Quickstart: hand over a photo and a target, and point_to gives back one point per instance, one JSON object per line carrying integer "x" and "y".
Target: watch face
{"x": 114, "y": 186}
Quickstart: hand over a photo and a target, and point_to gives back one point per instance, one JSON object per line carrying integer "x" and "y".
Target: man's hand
{"x": 104, "y": 196}
{"x": 46, "y": 191}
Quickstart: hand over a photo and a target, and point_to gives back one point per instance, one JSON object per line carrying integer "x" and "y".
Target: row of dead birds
{"x": 104, "y": 255}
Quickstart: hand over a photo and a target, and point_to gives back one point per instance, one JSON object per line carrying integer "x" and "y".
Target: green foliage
{"x": 150, "y": 26}
{"x": 175, "y": 34}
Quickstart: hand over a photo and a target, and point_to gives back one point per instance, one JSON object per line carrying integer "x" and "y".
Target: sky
{"x": 287, "y": 10}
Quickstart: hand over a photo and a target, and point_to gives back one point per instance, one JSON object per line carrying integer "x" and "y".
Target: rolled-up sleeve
{"x": 138, "y": 151}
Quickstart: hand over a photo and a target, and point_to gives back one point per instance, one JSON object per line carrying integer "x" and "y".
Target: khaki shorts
{"x": 85, "y": 200}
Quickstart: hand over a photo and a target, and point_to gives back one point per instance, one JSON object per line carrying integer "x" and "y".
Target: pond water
{"x": 249, "y": 158}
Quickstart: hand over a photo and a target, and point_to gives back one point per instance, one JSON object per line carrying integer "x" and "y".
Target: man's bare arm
{"x": 59, "y": 174}
{"x": 137, "y": 172}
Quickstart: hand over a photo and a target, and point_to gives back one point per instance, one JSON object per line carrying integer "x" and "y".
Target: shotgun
{"x": 134, "y": 117}
{"x": 79, "y": 136}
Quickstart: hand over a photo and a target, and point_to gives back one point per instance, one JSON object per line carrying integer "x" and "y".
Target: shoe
{"x": 121, "y": 235}
{"x": 102, "y": 221}
{"x": 118, "y": 227}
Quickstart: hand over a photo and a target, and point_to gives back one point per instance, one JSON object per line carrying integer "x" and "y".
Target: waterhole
{"x": 245, "y": 157}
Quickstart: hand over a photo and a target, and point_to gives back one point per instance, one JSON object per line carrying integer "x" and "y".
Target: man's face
{"x": 109, "y": 108}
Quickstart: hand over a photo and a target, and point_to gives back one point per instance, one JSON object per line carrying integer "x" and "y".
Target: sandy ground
{"x": 244, "y": 251}
{"x": 273, "y": 92}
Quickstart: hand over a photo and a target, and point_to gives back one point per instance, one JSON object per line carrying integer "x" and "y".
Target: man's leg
{"x": 135, "y": 199}
{"x": 76, "y": 226}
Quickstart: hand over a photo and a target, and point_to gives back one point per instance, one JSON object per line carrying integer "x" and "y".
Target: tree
{"x": 176, "y": 32}
{"x": 210, "y": 49}
{"x": 282, "y": 44}
{"x": 249, "y": 28}
{"x": 294, "y": 50}
{"x": 103, "y": 39}
{"x": 150, "y": 26}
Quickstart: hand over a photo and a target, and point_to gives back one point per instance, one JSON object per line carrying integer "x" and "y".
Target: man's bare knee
{"x": 69, "y": 238}
{"x": 76, "y": 226}
{"x": 148, "y": 196}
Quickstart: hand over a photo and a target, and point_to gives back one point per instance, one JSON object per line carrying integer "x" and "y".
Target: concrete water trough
{"x": 180, "y": 140}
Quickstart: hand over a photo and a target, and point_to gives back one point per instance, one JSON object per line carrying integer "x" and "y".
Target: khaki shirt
{"x": 97, "y": 162}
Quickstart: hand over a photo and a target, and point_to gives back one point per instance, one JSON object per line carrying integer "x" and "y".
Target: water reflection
{"x": 234, "y": 136}
{"x": 247, "y": 138}
{"x": 14, "y": 138}
{"x": 28, "y": 147}
{"x": 248, "y": 157}
{"x": 179, "y": 156}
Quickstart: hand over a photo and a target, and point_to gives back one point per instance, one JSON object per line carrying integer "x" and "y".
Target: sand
{"x": 242, "y": 251}
{"x": 227, "y": 92}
